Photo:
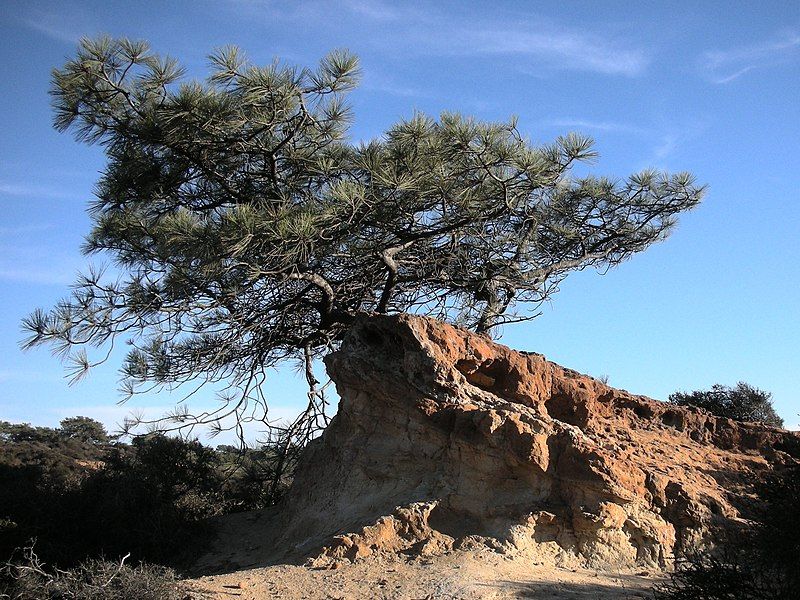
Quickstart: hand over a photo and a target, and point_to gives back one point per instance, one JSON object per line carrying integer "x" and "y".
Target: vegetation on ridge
{"x": 743, "y": 403}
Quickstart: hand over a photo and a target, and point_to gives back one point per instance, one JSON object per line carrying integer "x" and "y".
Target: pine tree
{"x": 250, "y": 231}
{"x": 84, "y": 429}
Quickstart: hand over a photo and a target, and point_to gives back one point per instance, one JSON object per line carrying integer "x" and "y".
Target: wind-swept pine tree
{"x": 250, "y": 231}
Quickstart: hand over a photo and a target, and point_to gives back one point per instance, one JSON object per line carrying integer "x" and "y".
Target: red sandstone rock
{"x": 446, "y": 440}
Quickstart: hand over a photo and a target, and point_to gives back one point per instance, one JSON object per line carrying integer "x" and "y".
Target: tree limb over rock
{"x": 249, "y": 231}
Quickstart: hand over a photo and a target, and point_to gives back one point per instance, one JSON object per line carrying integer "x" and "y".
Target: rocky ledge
{"x": 446, "y": 440}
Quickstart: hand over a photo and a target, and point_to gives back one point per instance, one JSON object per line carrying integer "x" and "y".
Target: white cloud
{"x": 667, "y": 145}
{"x": 724, "y": 66}
{"x": 56, "y": 26}
{"x": 671, "y": 137}
{"x": 733, "y": 76}
{"x": 67, "y": 23}
{"x": 556, "y": 49}
{"x": 387, "y": 86}
{"x": 32, "y": 255}
{"x": 36, "y": 191}
{"x": 605, "y": 126}
{"x": 38, "y": 276}
{"x": 112, "y": 415}
{"x": 398, "y": 29}
{"x": 372, "y": 9}
{"x": 18, "y": 230}
{"x": 668, "y": 137}
{"x": 26, "y": 376}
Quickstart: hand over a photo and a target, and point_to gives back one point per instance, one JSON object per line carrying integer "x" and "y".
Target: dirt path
{"x": 462, "y": 576}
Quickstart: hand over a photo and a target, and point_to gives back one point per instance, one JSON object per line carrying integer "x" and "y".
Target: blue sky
{"x": 713, "y": 88}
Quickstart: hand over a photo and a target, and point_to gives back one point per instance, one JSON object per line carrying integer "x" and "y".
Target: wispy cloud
{"x": 60, "y": 26}
{"x": 61, "y": 35}
{"x": 664, "y": 139}
{"x": 666, "y": 146}
{"x": 319, "y": 10}
{"x": 724, "y": 66}
{"x": 393, "y": 88}
{"x": 37, "y": 258}
{"x": 26, "y": 376}
{"x": 604, "y": 126}
{"x": 372, "y": 9}
{"x": 113, "y": 415}
{"x": 540, "y": 44}
{"x": 560, "y": 49}
{"x": 733, "y": 76}
{"x": 37, "y": 276}
{"x": 18, "y": 230}
{"x": 36, "y": 191}
{"x": 671, "y": 138}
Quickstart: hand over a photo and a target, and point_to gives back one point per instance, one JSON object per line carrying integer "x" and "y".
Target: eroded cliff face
{"x": 446, "y": 440}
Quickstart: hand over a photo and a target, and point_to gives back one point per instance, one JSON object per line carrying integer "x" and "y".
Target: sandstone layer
{"x": 445, "y": 440}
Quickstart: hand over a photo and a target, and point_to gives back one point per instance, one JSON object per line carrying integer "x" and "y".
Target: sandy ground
{"x": 456, "y": 575}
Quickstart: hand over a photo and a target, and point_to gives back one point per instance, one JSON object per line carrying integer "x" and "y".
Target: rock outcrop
{"x": 446, "y": 440}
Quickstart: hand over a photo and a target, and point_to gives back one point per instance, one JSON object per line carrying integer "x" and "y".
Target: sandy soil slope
{"x": 457, "y": 575}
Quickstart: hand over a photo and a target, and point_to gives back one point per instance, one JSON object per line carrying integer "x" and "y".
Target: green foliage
{"x": 41, "y": 457}
{"x": 764, "y": 565}
{"x": 148, "y": 499}
{"x": 730, "y": 576}
{"x": 28, "y": 579}
{"x": 24, "y": 432}
{"x": 84, "y": 429}
{"x": 255, "y": 477}
{"x": 743, "y": 403}
{"x": 249, "y": 231}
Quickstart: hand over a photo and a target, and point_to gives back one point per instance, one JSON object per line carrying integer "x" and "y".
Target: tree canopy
{"x": 248, "y": 229}
{"x": 743, "y": 403}
{"x": 84, "y": 429}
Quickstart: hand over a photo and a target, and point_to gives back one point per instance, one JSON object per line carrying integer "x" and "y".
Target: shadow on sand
{"x": 629, "y": 587}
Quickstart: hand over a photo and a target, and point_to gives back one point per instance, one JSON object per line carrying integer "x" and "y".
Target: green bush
{"x": 39, "y": 470}
{"x": 147, "y": 499}
{"x": 743, "y": 403}
{"x": 257, "y": 477}
{"x": 81, "y": 497}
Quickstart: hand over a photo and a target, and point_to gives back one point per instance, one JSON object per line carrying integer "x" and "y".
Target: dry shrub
{"x": 762, "y": 566}
{"x": 96, "y": 579}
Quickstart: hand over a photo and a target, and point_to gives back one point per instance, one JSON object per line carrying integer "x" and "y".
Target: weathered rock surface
{"x": 446, "y": 440}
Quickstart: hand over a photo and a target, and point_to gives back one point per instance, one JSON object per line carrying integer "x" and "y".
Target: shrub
{"x": 83, "y": 500}
{"x": 728, "y": 576}
{"x": 764, "y": 565}
{"x": 743, "y": 403}
{"x": 29, "y": 579}
{"x": 146, "y": 499}
{"x": 258, "y": 477}
{"x": 39, "y": 470}
{"x": 778, "y": 533}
